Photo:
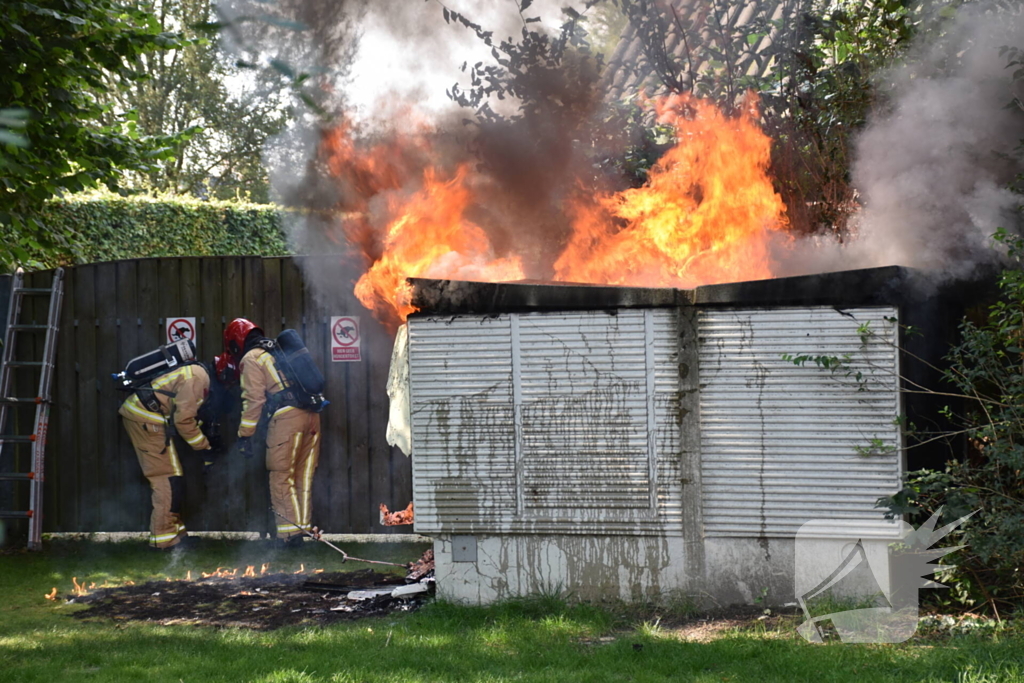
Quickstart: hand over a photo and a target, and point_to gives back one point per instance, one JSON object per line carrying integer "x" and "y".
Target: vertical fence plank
{"x": 357, "y": 405}
{"x": 257, "y": 500}
{"x": 377, "y": 346}
{"x": 236, "y": 470}
{"x": 247, "y": 478}
{"x": 62, "y": 470}
{"x": 272, "y": 313}
{"x": 215, "y": 492}
{"x": 128, "y": 347}
{"x": 109, "y": 504}
{"x": 150, "y": 334}
{"x": 292, "y": 316}
{"x": 189, "y": 305}
{"x": 314, "y": 333}
{"x": 86, "y": 417}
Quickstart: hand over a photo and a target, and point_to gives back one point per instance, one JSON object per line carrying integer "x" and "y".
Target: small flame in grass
{"x": 264, "y": 568}
{"x": 301, "y": 570}
{"x": 188, "y": 575}
{"x": 129, "y": 583}
{"x": 250, "y": 572}
{"x": 79, "y": 587}
{"x": 52, "y": 595}
{"x": 92, "y": 585}
{"x": 221, "y": 573}
{"x": 318, "y": 571}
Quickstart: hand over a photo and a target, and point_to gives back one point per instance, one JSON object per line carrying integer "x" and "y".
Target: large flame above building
{"x": 708, "y": 213}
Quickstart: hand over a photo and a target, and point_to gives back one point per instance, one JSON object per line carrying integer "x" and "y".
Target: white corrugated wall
{"x": 546, "y": 422}
{"x": 779, "y": 442}
{"x": 569, "y": 422}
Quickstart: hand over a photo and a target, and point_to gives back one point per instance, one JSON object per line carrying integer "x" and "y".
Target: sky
{"x": 409, "y": 54}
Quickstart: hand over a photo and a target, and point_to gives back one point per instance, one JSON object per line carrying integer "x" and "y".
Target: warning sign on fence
{"x": 345, "y": 338}
{"x": 180, "y": 329}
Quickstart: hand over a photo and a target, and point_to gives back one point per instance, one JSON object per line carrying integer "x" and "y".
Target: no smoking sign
{"x": 345, "y": 339}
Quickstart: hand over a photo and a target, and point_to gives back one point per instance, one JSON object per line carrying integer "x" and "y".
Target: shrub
{"x": 110, "y": 227}
{"x": 987, "y": 367}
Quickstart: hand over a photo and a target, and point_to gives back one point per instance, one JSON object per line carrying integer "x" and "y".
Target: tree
{"x": 221, "y": 113}
{"x": 814, "y": 64}
{"x": 56, "y": 58}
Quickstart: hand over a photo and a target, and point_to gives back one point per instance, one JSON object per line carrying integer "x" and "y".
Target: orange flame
{"x": 264, "y": 568}
{"x": 52, "y": 595}
{"x": 398, "y": 517}
{"x": 79, "y": 587}
{"x": 707, "y": 214}
{"x": 431, "y": 238}
{"x": 188, "y": 575}
{"x": 250, "y": 572}
{"x": 301, "y": 569}
{"x": 221, "y": 573}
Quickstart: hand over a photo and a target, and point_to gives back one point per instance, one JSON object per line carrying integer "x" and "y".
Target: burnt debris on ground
{"x": 262, "y": 602}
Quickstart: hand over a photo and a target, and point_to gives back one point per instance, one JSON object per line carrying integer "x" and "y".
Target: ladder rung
{"x": 11, "y": 514}
{"x": 33, "y": 290}
{"x": 20, "y": 326}
{"x": 17, "y": 476}
{"x": 18, "y": 438}
{"x": 25, "y": 364}
{"x": 18, "y": 399}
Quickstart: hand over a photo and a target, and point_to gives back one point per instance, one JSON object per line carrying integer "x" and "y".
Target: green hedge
{"x": 110, "y": 227}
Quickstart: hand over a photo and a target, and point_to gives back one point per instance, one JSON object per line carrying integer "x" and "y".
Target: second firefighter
{"x": 271, "y": 406}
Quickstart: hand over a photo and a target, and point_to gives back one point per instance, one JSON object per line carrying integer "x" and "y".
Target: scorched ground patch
{"x": 262, "y": 602}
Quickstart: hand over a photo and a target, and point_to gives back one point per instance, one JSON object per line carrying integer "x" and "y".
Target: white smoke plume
{"x": 934, "y": 169}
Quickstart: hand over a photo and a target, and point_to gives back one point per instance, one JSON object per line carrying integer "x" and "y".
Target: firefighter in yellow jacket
{"x": 178, "y": 395}
{"x": 293, "y": 433}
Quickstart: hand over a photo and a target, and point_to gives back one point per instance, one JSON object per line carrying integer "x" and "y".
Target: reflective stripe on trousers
{"x": 293, "y": 451}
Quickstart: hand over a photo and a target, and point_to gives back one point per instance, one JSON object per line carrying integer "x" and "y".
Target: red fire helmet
{"x": 226, "y": 369}
{"x": 234, "y": 337}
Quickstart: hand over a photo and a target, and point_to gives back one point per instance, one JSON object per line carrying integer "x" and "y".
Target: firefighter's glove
{"x": 210, "y": 456}
{"x": 244, "y": 446}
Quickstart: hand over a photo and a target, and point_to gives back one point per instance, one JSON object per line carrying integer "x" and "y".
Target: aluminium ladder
{"x": 37, "y": 439}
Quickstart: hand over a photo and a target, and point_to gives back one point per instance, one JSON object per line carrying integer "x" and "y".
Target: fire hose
{"x": 318, "y": 536}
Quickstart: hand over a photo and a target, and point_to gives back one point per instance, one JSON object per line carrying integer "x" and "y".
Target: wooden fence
{"x": 115, "y": 311}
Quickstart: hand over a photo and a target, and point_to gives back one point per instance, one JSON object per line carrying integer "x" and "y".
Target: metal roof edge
{"x": 449, "y": 297}
{"x": 883, "y": 285}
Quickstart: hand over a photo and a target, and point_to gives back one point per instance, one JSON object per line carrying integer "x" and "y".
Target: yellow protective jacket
{"x": 260, "y": 379}
{"x": 190, "y": 385}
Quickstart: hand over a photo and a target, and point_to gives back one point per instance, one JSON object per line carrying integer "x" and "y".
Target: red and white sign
{"x": 345, "y": 339}
{"x": 179, "y": 329}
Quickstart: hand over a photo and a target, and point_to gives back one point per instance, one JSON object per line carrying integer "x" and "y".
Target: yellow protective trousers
{"x": 293, "y": 451}
{"x": 160, "y": 465}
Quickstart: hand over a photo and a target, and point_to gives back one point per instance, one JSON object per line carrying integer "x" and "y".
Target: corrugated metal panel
{"x": 460, "y": 374}
{"x": 584, "y": 432}
{"x": 779, "y": 441}
{"x": 539, "y": 422}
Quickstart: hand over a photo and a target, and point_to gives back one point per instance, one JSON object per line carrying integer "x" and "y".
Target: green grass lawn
{"x": 542, "y": 639}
